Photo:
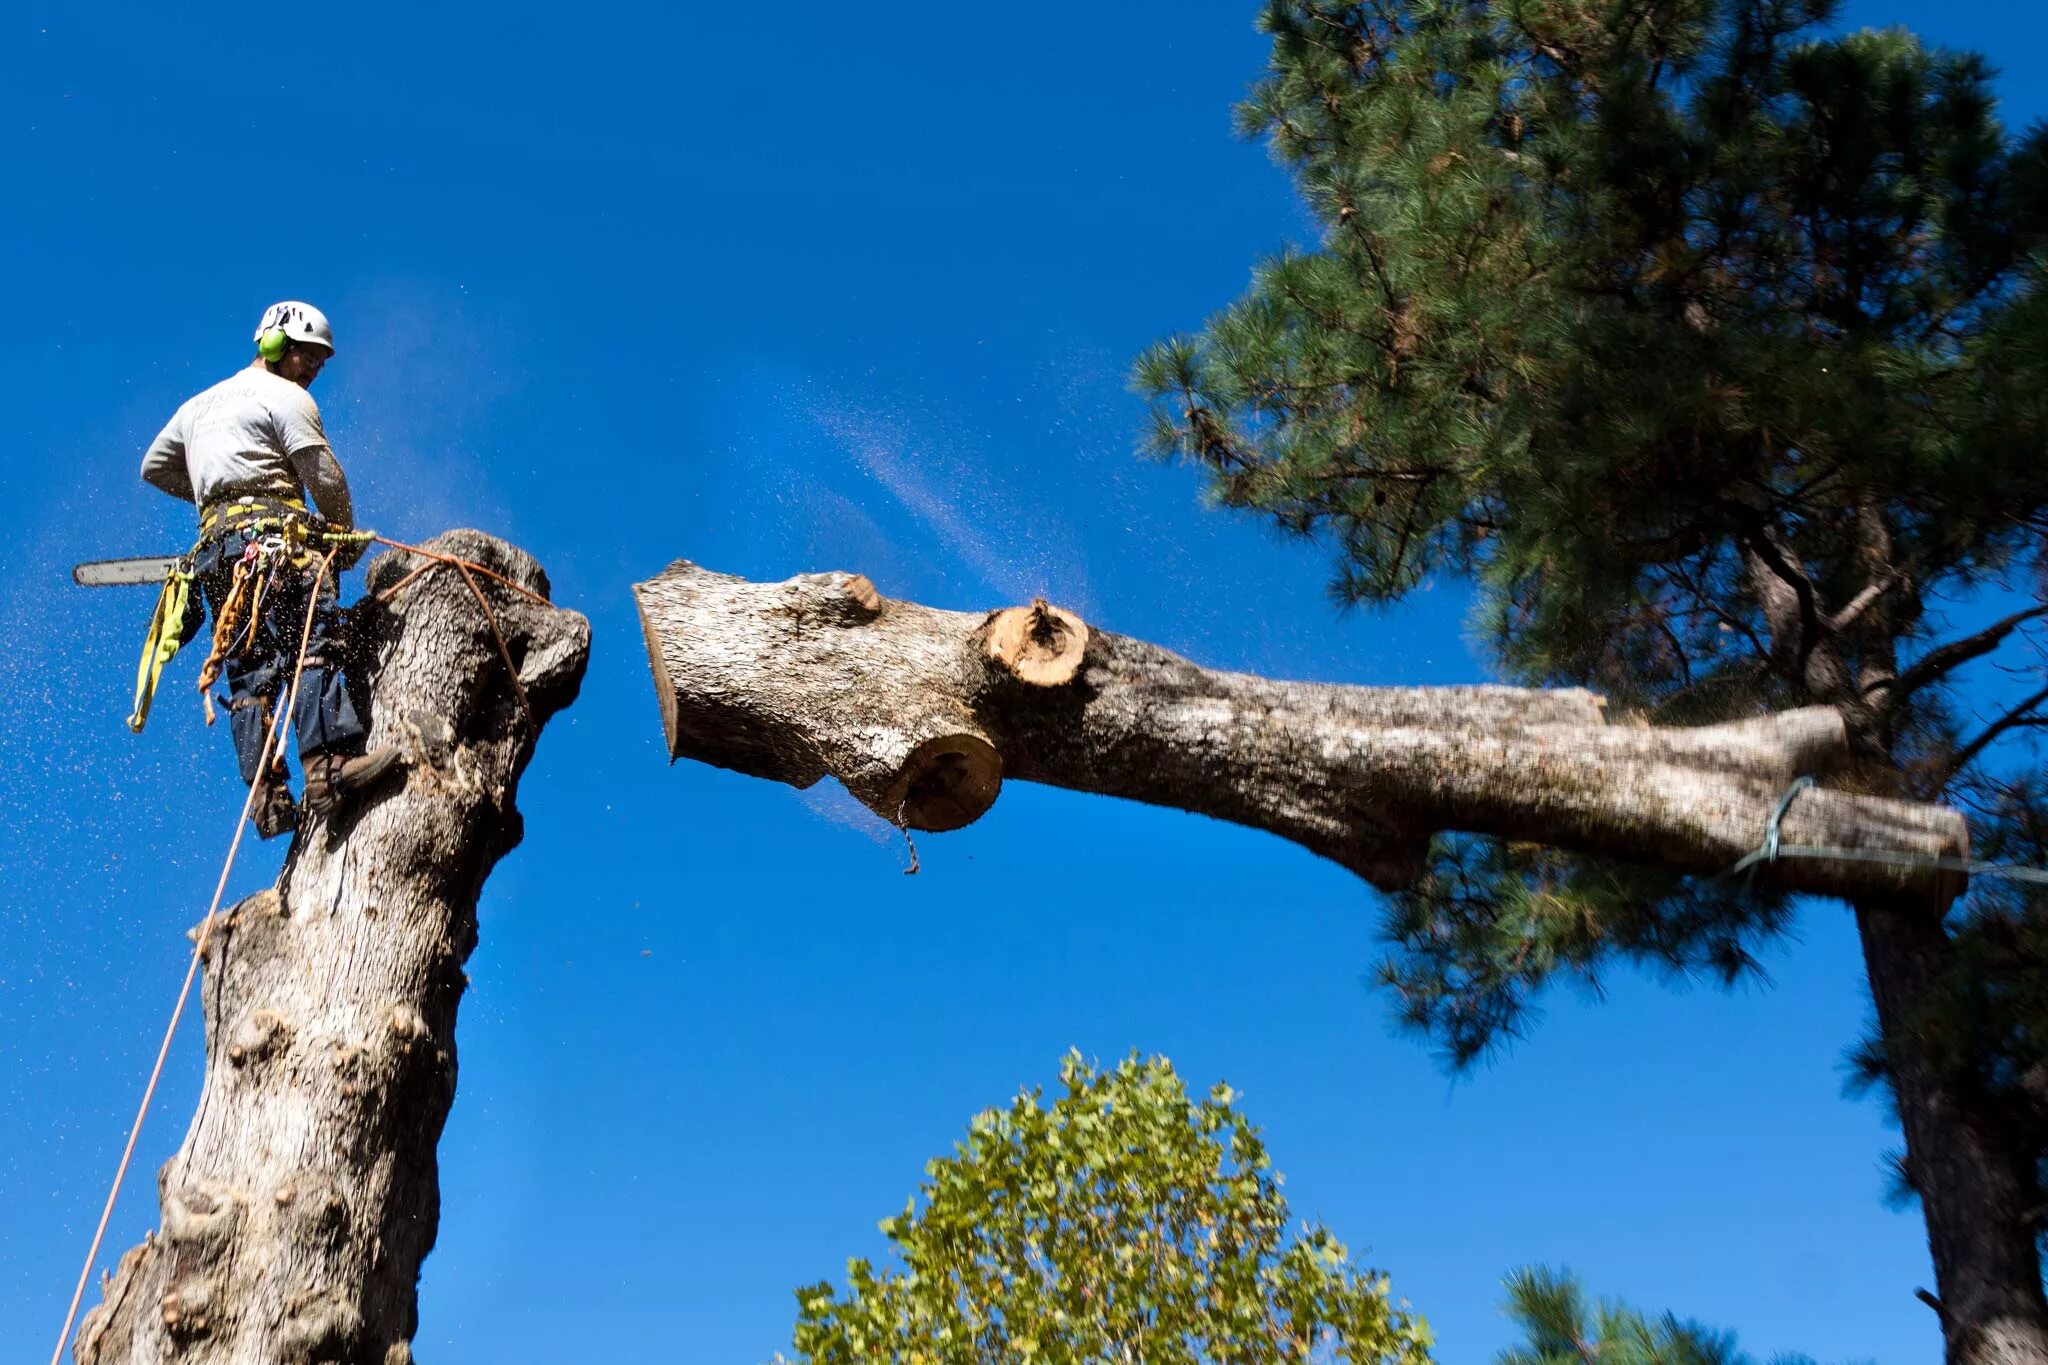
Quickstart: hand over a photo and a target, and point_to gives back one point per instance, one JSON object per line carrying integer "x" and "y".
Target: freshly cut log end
{"x": 709, "y": 710}
{"x": 1040, "y": 644}
{"x": 664, "y": 689}
{"x": 947, "y": 782}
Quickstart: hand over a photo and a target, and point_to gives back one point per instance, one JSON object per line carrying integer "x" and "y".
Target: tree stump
{"x": 306, "y": 1193}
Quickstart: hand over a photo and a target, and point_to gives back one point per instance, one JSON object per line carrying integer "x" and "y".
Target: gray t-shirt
{"x": 253, "y": 433}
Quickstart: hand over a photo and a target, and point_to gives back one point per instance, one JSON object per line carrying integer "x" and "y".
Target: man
{"x": 243, "y": 451}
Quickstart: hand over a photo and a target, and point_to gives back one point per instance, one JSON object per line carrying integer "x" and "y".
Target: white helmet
{"x": 290, "y": 321}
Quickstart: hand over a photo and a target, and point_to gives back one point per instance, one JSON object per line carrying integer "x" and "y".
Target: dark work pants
{"x": 259, "y": 676}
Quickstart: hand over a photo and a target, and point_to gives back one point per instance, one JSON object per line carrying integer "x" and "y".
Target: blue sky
{"x": 783, "y": 289}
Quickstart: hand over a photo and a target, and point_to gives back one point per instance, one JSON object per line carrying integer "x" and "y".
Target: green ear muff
{"x": 271, "y": 345}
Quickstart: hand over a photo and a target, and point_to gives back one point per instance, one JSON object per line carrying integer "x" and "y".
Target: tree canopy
{"x": 1129, "y": 1222}
{"x": 1124, "y": 1221}
{"x": 1669, "y": 325}
{"x": 1710, "y": 346}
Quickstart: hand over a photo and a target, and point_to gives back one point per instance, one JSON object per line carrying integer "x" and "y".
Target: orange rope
{"x": 469, "y": 569}
{"x": 461, "y": 563}
{"x": 227, "y": 624}
{"x": 391, "y": 593}
{"x": 491, "y": 619}
{"x": 271, "y": 736}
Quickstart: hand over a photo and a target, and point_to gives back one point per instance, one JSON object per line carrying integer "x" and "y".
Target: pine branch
{"x": 2020, "y": 715}
{"x": 1799, "y": 492}
{"x": 1938, "y": 663}
{"x": 1720, "y": 615}
{"x": 1678, "y": 652}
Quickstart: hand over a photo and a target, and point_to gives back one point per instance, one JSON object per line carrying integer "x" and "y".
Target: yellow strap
{"x": 165, "y": 626}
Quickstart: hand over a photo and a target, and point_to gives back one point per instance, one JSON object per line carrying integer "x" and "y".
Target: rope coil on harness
{"x": 243, "y": 606}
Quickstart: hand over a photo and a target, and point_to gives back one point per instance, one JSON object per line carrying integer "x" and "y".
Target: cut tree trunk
{"x": 923, "y": 713}
{"x": 306, "y": 1193}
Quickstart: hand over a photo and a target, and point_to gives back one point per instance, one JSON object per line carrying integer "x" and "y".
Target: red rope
{"x": 469, "y": 569}
{"x": 470, "y": 565}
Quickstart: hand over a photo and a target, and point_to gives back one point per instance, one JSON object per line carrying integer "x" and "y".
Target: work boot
{"x": 272, "y": 811}
{"x": 334, "y": 782}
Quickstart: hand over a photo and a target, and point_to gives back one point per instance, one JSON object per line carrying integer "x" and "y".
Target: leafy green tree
{"x": 1711, "y": 348}
{"x": 1123, "y": 1222}
{"x": 1560, "y": 1327}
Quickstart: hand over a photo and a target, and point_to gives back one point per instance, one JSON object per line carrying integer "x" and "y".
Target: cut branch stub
{"x": 1040, "y": 644}
{"x": 862, "y": 599}
{"x": 947, "y": 783}
{"x": 919, "y": 713}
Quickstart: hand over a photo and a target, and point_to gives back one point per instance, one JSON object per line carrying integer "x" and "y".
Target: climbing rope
{"x": 272, "y": 734}
{"x": 440, "y": 558}
{"x": 1772, "y": 849}
{"x": 252, "y": 575}
{"x": 469, "y": 570}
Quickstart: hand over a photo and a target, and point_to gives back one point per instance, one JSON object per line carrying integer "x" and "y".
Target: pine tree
{"x": 1711, "y": 348}
{"x": 1560, "y": 1327}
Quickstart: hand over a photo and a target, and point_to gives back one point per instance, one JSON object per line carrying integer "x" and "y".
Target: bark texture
{"x": 306, "y": 1193}
{"x": 922, "y": 713}
{"x": 1968, "y": 1158}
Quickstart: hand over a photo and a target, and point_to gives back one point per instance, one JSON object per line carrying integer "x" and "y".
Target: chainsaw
{"x": 122, "y": 573}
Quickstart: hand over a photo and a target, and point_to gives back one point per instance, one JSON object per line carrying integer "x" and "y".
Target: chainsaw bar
{"x": 119, "y": 573}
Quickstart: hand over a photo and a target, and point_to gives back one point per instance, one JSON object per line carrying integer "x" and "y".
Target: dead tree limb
{"x": 306, "y": 1193}
{"x": 923, "y": 713}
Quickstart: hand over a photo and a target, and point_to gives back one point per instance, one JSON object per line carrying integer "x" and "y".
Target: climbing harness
{"x": 248, "y": 509}
{"x": 282, "y": 535}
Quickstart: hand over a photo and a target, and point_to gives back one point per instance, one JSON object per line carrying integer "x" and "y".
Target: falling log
{"x": 305, "y": 1195}
{"x": 923, "y": 714}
